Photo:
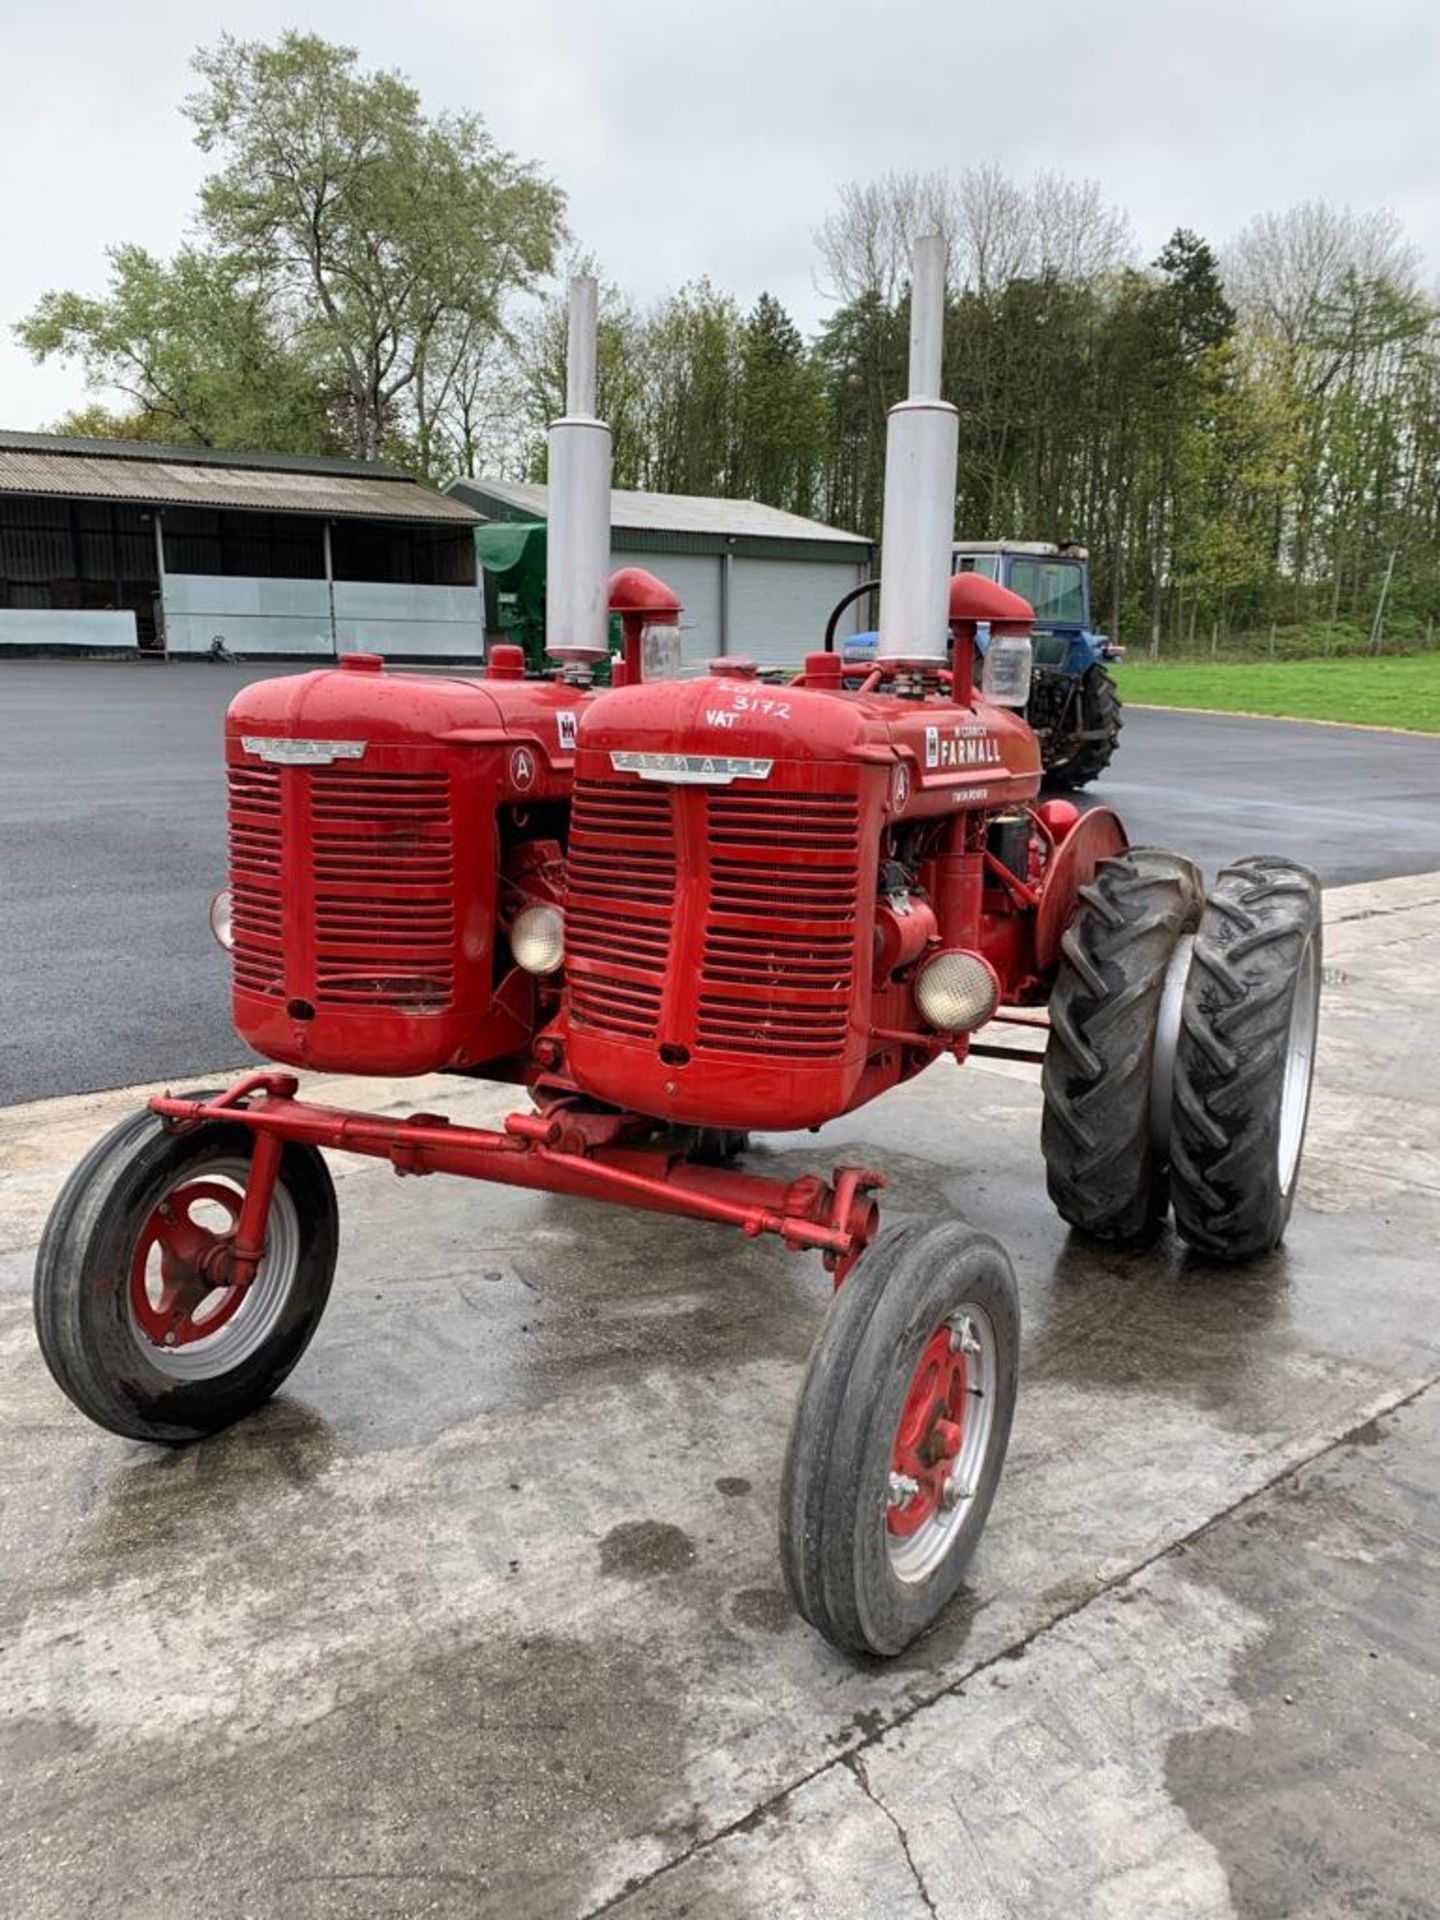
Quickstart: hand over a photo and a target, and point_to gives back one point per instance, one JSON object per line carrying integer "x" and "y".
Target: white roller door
{"x": 696, "y": 578}
{"x": 778, "y": 608}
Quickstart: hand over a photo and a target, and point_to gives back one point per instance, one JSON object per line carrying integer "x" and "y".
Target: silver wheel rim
{"x": 1167, "y": 1042}
{"x": 255, "y": 1319}
{"x": 1299, "y": 1066}
{"x": 915, "y": 1556}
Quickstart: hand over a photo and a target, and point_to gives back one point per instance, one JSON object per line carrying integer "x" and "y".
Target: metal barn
{"x": 113, "y": 545}
{"x": 752, "y": 579}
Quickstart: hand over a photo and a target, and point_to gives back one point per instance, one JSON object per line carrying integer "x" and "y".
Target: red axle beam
{"x": 558, "y": 1152}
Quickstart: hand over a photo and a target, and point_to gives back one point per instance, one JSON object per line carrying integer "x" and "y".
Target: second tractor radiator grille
{"x": 383, "y": 853}
{"x": 258, "y": 956}
{"x": 381, "y": 887}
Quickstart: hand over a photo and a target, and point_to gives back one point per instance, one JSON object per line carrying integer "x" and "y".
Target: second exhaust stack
{"x": 577, "y": 541}
{"x": 921, "y": 448}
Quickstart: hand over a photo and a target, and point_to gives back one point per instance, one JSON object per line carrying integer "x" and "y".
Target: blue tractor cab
{"x": 1074, "y": 704}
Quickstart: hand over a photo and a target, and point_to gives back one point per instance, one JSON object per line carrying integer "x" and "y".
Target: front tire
{"x": 136, "y": 1340}
{"x": 1105, "y": 1120}
{"x": 899, "y": 1435}
{"x": 1245, "y": 1058}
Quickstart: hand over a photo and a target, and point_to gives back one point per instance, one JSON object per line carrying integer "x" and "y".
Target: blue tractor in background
{"x": 1074, "y": 704}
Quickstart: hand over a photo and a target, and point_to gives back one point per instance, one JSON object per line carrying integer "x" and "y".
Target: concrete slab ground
{"x": 483, "y": 1615}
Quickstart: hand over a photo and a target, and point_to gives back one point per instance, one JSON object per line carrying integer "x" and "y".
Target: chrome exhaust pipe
{"x": 577, "y": 540}
{"x": 922, "y": 445}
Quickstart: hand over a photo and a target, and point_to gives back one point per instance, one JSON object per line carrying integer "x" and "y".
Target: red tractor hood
{"x": 700, "y": 731}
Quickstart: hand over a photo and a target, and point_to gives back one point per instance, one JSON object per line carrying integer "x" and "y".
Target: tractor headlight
{"x": 537, "y": 938}
{"x": 222, "y": 919}
{"x": 957, "y": 992}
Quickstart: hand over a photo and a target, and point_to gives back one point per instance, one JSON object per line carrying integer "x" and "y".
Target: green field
{"x": 1389, "y": 691}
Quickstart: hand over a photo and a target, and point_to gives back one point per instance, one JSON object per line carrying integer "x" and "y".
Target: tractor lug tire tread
{"x": 1231, "y": 1057}
{"x": 1102, "y": 1170}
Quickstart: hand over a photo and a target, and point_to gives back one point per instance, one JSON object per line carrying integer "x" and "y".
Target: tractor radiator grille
{"x": 620, "y": 902}
{"x": 383, "y": 866}
{"x": 258, "y": 957}
{"x": 778, "y": 962}
{"x": 776, "y": 919}
{"x": 381, "y": 887}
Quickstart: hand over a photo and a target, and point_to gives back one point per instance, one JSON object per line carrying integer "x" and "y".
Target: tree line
{"x": 1243, "y": 438}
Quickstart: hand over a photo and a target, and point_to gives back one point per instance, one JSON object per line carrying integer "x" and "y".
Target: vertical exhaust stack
{"x": 921, "y": 449}
{"x": 577, "y": 564}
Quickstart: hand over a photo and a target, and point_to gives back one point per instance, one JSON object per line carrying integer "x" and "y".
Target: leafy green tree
{"x": 374, "y": 226}
{"x": 779, "y": 412}
{"x": 351, "y": 282}
{"x": 192, "y": 345}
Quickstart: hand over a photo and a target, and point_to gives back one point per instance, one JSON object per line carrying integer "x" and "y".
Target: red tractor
{"x": 677, "y": 912}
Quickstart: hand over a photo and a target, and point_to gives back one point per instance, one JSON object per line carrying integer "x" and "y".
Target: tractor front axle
{"x": 562, "y": 1147}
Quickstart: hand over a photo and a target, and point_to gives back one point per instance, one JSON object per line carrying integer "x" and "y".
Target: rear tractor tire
{"x": 1245, "y": 1057}
{"x": 899, "y": 1435}
{"x": 1114, "y": 1009}
{"x": 131, "y": 1323}
{"x": 1098, "y": 702}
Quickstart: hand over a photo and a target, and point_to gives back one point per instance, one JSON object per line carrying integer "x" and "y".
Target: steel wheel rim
{"x": 1167, "y": 1042}
{"x": 915, "y": 1556}
{"x": 247, "y": 1324}
{"x": 1299, "y": 1066}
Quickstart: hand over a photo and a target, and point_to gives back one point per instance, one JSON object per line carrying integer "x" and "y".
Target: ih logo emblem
{"x": 961, "y": 747}
{"x": 567, "y": 723}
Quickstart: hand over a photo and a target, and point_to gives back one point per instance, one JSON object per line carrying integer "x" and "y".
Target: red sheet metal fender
{"x": 1096, "y": 836}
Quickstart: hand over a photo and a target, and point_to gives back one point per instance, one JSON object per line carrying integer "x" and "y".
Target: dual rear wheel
{"x": 1181, "y": 1051}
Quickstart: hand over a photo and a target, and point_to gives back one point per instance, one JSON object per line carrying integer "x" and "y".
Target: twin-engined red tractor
{"x": 678, "y": 912}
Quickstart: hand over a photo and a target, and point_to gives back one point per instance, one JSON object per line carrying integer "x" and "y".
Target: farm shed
{"x": 752, "y": 579}
{"x": 112, "y": 544}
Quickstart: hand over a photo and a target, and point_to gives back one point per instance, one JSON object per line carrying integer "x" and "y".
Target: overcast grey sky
{"x": 707, "y": 138}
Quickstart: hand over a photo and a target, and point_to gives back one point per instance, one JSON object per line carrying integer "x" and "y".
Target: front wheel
{"x": 131, "y": 1324}
{"x": 899, "y": 1435}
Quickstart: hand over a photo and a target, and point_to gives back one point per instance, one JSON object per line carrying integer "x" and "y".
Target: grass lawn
{"x": 1396, "y": 691}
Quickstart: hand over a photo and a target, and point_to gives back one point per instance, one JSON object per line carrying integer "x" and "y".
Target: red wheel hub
{"x": 930, "y": 1434}
{"x": 194, "y": 1296}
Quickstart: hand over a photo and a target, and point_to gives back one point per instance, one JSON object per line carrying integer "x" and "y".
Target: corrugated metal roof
{"x": 142, "y": 475}
{"x": 670, "y": 513}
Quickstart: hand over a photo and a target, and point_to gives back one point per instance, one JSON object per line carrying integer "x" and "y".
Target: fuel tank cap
{"x": 734, "y": 666}
{"x": 362, "y": 663}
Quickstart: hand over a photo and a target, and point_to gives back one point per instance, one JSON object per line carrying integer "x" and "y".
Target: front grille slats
{"x": 381, "y": 884}
{"x": 777, "y": 918}
{"x": 778, "y": 962}
{"x": 620, "y": 901}
{"x": 258, "y": 957}
{"x": 383, "y": 866}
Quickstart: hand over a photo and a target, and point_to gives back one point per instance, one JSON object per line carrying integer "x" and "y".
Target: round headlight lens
{"x": 222, "y": 919}
{"x": 537, "y": 939}
{"x": 957, "y": 992}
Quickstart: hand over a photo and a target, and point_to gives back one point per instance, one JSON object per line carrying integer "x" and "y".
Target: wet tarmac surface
{"x": 112, "y": 845}
{"x": 483, "y": 1615}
